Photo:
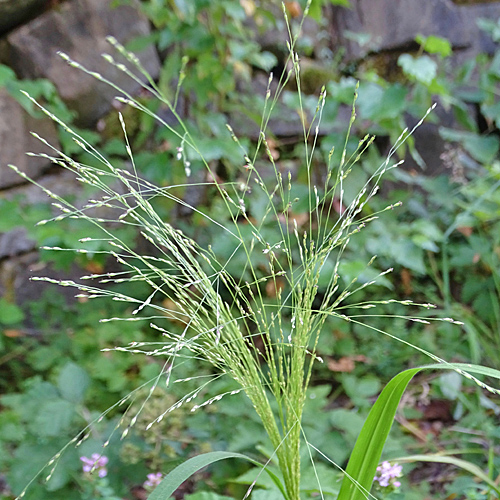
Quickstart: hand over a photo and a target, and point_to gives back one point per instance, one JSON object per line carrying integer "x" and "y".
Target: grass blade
{"x": 368, "y": 448}
{"x": 184, "y": 471}
{"x": 367, "y": 451}
{"x": 457, "y": 462}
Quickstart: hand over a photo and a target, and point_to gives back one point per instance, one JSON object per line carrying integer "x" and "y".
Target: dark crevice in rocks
{"x": 473, "y": 2}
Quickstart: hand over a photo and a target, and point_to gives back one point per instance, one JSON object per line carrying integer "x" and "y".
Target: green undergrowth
{"x": 442, "y": 243}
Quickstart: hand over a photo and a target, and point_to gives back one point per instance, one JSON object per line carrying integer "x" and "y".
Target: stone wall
{"x": 78, "y": 28}
{"x": 32, "y": 31}
{"x": 389, "y": 29}
{"x": 393, "y": 25}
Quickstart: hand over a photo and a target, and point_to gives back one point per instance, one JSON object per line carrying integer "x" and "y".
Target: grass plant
{"x": 265, "y": 342}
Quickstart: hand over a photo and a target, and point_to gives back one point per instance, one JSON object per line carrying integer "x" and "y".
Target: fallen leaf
{"x": 13, "y": 333}
{"x": 465, "y": 230}
{"x": 248, "y": 6}
{"x": 94, "y": 267}
{"x": 345, "y": 363}
{"x": 406, "y": 279}
{"x": 273, "y": 285}
{"x": 293, "y": 8}
{"x": 173, "y": 313}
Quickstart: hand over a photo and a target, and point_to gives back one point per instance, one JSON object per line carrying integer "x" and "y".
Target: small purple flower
{"x": 95, "y": 462}
{"x": 153, "y": 480}
{"x": 388, "y": 475}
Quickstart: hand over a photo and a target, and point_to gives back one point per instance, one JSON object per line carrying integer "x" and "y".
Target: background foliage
{"x": 444, "y": 247}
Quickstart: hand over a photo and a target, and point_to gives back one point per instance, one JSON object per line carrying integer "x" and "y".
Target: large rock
{"x": 15, "y": 242}
{"x": 79, "y": 28}
{"x": 16, "y": 140}
{"x": 479, "y": 40}
{"x": 393, "y": 25}
{"x": 14, "y": 12}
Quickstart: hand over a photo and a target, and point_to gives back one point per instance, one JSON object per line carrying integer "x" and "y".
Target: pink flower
{"x": 388, "y": 475}
{"x": 153, "y": 480}
{"x": 95, "y": 462}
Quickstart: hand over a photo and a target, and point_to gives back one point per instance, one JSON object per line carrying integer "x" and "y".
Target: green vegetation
{"x": 257, "y": 263}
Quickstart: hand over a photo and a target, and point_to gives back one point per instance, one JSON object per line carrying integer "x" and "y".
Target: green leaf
{"x": 451, "y": 385}
{"x": 30, "y": 457}
{"x": 359, "y": 389}
{"x": 377, "y": 104}
{"x": 492, "y": 111}
{"x": 491, "y": 27}
{"x": 481, "y": 148}
{"x": 367, "y": 451}
{"x": 264, "y": 60}
{"x": 434, "y": 45}
{"x": 457, "y": 462}
{"x": 206, "y": 495}
{"x": 422, "y": 69}
{"x": 184, "y": 471}
{"x": 10, "y": 314}
{"x": 53, "y": 418}
{"x": 73, "y": 382}
{"x": 6, "y": 75}
{"x": 343, "y": 3}
{"x": 315, "y": 8}
{"x": 368, "y": 448}
{"x": 349, "y": 422}
{"x": 210, "y": 149}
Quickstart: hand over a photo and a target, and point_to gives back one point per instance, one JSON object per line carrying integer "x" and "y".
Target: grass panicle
{"x": 267, "y": 344}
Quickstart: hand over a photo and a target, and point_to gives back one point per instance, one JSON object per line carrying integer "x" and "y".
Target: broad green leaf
{"x": 206, "y": 495}
{"x": 30, "y": 457}
{"x": 423, "y": 68}
{"x": 265, "y": 60}
{"x": 481, "y": 148}
{"x": 492, "y": 111}
{"x": 263, "y": 494}
{"x": 73, "y": 382}
{"x": 359, "y": 389}
{"x": 53, "y": 418}
{"x": 214, "y": 149}
{"x": 376, "y": 103}
{"x": 347, "y": 421}
{"x": 262, "y": 481}
{"x": 315, "y": 8}
{"x": 367, "y": 451}
{"x": 6, "y": 75}
{"x": 450, "y": 384}
{"x": 10, "y": 313}
{"x": 184, "y": 471}
{"x": 491, "y": 27}
{"x": 435, "y": 45}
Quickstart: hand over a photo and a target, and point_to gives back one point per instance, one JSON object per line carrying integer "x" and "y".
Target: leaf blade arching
{"x": 184, "y": 471}
{"x": 367, "y": 451}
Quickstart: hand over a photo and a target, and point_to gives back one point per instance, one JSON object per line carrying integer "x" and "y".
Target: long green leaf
{"x": 368, "y": 448}
{"x": 457, "y": 462}
{"x": 184, "y": 471}
{"x": 367, "y": 451}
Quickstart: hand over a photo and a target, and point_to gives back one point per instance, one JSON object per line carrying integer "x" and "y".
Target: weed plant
{"x": 266, "y": 342}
